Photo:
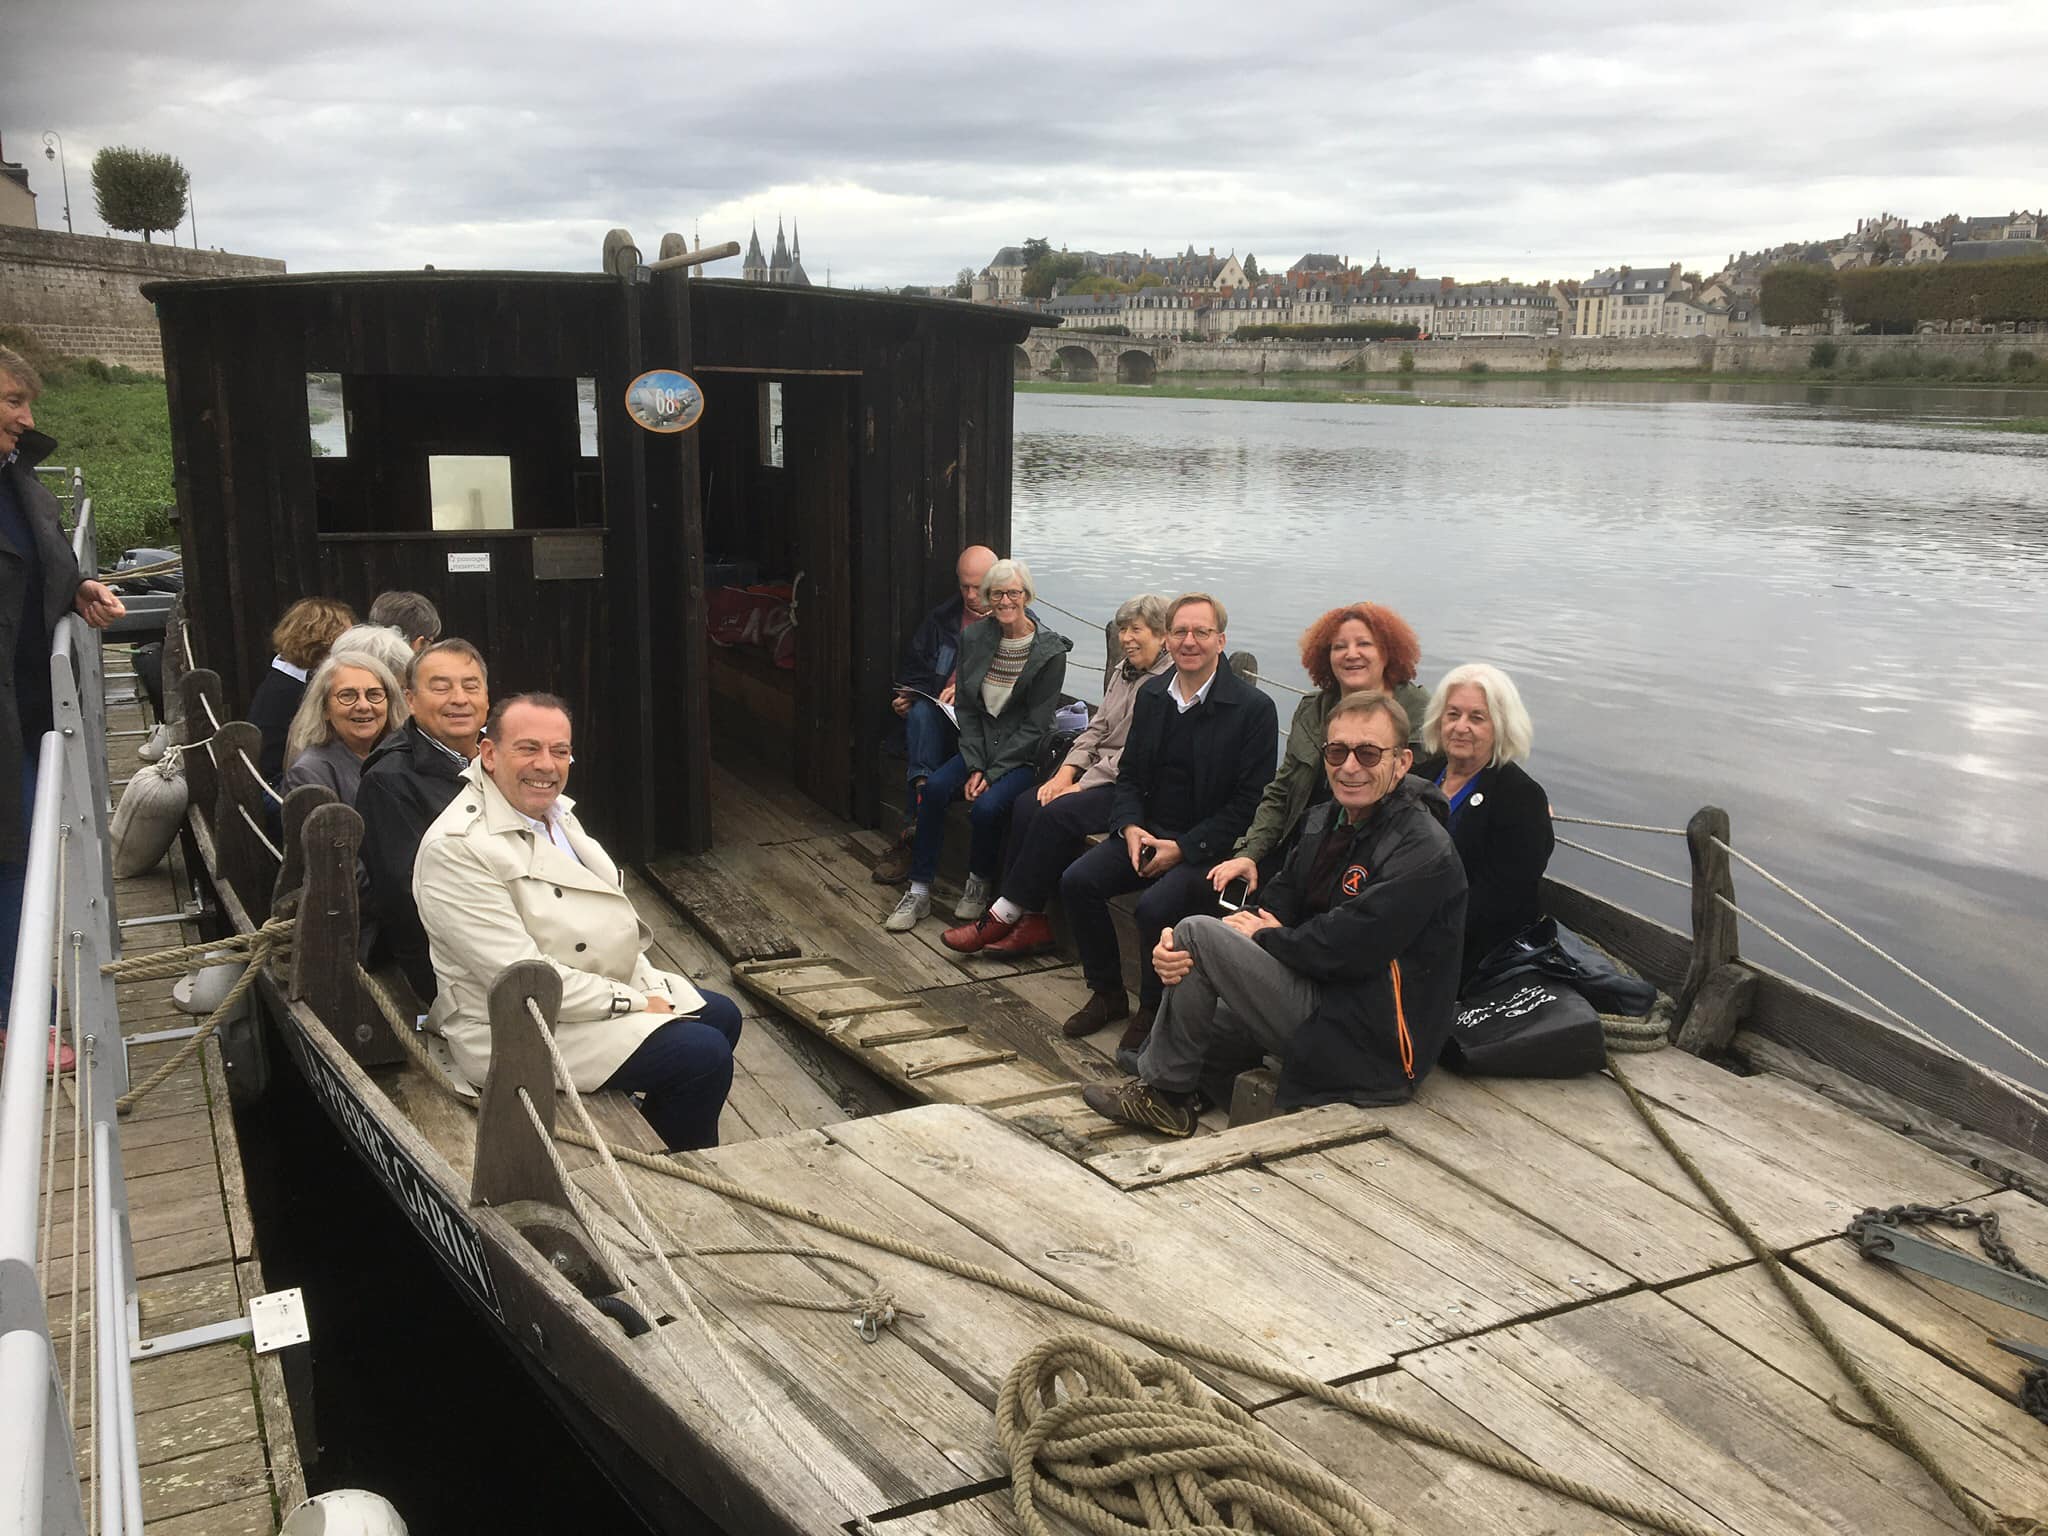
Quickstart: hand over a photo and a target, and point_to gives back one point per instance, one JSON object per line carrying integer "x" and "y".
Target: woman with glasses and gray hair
{"x": 1500, "y": 817}
{"x": 1008, "y": 686}
{"x": 1050, "y": 827}
{"x": 352, "y": 702}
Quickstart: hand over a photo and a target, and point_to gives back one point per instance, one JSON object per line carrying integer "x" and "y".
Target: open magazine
{"x": 951, "y": 713}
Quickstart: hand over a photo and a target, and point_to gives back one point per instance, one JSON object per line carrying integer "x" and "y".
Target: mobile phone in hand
{"x": 1145, "y": 854}
{"x": 1234, "y": 896}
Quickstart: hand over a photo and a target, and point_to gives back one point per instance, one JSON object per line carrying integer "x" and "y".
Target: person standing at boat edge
{"x": 408, "y": 781}
{"x": 39, "y": 583}
{"x": 506, "y": 873}
{"x": 927, "y": 675}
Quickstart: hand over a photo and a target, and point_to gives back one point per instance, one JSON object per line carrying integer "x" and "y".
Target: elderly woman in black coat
{"x": 1500, "y": 817}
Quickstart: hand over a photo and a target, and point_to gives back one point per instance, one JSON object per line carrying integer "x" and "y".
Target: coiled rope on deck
{"x": 1110, "y": 1442}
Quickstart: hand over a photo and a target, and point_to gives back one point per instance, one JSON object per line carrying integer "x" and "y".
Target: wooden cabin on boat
{"x": 481, "y": 452}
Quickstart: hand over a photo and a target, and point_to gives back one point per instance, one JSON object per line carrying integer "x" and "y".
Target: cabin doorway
{"x": 776, "y": 461}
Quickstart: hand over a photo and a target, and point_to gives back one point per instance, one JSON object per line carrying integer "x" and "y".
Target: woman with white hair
{"x": 380, "y": 641}
{"x": 1007, "y": 687}
{"x": 352, "y": 702}
{"x": 1500, "y": 817}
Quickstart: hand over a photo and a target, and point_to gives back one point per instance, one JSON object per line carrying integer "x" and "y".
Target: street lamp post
{"x": 63, "y": 171}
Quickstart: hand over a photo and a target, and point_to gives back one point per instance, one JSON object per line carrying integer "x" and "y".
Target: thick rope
{"x": 1140, "y": 1442}
{"x": 1828, "y": 917}
{"x": 1384, "y": 1415}
{"x": 1641, "y": 869}
{"x": 264, "y": 785}
{"x": 267, "y": 939}
{"x": 1889, "y": 1422}
{"x": 164, "y": 964}
{"x": 1618, "y": 826}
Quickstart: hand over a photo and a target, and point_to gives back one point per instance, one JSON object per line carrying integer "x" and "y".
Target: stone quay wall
{"x": 1574, "y": 354}
{"x": 81, "y": 295}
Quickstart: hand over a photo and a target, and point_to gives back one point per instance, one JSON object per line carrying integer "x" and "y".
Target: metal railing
{"x": 67, "y": 932}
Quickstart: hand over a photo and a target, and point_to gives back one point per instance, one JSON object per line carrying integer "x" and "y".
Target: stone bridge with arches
{"x": 1088, "y": 356}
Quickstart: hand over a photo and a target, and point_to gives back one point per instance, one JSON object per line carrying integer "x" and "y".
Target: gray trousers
{"x": 1237, "y": 1004}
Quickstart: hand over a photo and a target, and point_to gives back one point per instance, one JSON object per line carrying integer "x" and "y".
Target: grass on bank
{"x": 116, "y": 424}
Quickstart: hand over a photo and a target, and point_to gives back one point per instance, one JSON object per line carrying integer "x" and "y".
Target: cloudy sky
{"x": 1477, "y": 139}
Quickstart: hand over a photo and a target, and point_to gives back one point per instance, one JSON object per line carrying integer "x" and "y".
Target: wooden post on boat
{"x": 1717, "y": 991}
{"x": 514, "y": 1172}
{"x": 324, "y": 945}
{"x": 245, "y": 863}
{"x": 291, "y": 874}
{"x": 196, "y": 690}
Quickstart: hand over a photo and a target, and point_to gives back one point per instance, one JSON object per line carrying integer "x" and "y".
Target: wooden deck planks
{"x": 1997, "y": 1451}
{"x": 1263, "y": 1296}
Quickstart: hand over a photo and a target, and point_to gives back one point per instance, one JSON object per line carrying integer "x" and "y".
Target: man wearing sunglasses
{"x": 1347, "y": 971}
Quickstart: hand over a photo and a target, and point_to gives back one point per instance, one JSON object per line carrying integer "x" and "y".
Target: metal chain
{"x": 2033, "y": 1393}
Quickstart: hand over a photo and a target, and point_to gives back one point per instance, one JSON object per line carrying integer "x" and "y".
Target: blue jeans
{"x": 14, "y": 881}
{"x": 684, "y": 1069}
{"x": 988, "y": 817}
{"x": 928, "y": 740}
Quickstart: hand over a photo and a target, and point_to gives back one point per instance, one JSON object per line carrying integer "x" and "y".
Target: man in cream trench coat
{"x": 507, "y": 873}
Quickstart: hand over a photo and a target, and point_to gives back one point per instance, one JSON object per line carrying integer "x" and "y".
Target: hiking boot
{"x": 1031, "y": 934}
{"x": 893, "y": 867}
{"x": 60, "y": 1056}
{"x": 976, "y": 937}
{"x": 1136, "y": 1033}
{"x": 1102, "y": 1008}
{"x": 1139, "y": 1103}
{"x": 910, "y": 911}
{"x": 974, "y": 898}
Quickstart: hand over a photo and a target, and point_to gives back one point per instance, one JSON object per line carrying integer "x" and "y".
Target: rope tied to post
{"x": 1113, "y": 1442}
{"x": 254, "y": 949}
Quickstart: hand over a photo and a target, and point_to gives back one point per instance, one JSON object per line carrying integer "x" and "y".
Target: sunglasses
{"x": 1368, "y": 755}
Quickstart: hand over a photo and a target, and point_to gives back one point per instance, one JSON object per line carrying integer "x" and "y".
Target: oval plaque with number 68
{"x": 663, "y": 400}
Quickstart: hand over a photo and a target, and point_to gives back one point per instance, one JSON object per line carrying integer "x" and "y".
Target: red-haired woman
{"x": 1359, "y": 648}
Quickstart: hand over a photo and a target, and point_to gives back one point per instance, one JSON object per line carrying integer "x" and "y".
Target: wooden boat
{"x": 1518, "y": 1263}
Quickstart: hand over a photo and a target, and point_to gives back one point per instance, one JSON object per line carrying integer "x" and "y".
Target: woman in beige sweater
{"x": 1049, "y": 827}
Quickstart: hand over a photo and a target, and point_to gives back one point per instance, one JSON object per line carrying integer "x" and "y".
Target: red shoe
{"x": 66, "y": 1058}
{"x": 973, "y": 938}
{"x": 1031, "y": 934}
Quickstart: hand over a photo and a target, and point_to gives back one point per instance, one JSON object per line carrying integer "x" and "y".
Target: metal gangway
{"x": 68, "y": 930}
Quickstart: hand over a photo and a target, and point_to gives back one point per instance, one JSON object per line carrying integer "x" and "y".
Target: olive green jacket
{"x": 1301, "y": 767}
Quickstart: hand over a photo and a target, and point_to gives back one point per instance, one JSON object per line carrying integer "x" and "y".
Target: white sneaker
{"x": 910, "y": 911}
{"x": 152, "y": 750}
{"x": 974, "y": 899}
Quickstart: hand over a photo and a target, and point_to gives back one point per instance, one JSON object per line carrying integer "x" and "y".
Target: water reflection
{"x": 1821, "y": 619}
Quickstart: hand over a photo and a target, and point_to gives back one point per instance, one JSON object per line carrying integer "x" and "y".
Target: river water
{"x": 1824, "y": 609}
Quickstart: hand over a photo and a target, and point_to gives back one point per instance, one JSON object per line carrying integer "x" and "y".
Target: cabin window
{"x": 326, "y": 416}
{"x": 469, "y": 491}
{"x": 771, "y": 425}
{"x": 586, "y": 418}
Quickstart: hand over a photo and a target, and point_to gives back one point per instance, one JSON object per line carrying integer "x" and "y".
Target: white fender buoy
{"x": 344, "y": 1512}
{"x": 200, "y": 992}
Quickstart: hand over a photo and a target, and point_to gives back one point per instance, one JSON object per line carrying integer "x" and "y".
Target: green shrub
{"x": 1823, "y": 355}
{"x": 2020, "y": 360}
{"x": 1553, "y": 360}
{"x": 1407, "y": 362}
{"x": 115, "y": 423}
{"x": 1477, "y": 365}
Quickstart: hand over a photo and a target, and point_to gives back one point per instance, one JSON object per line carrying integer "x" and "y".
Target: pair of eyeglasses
{"x": 1007, "y": 595}
{"x": 1179, "y": 635}
{"x": 348, "y": 698}
{"x": 1368, "y": 755}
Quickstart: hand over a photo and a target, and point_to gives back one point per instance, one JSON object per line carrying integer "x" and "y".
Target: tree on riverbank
{"x": 1796, "y": 294}
{"x": 1899, "y": 298}
{"x": 136, "y": 189}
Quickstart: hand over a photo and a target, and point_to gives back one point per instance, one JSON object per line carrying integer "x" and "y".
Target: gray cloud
{"x": 1477, "y": 138}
